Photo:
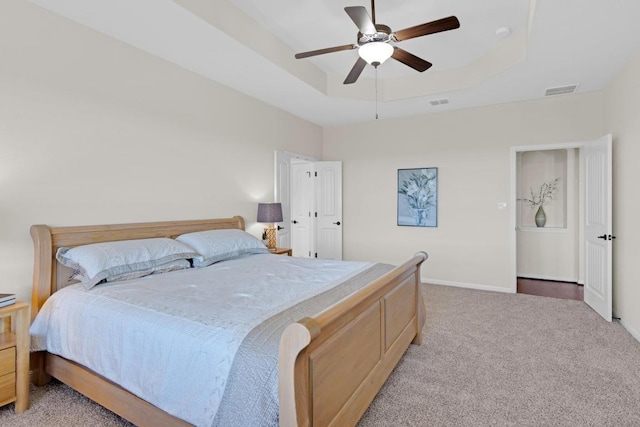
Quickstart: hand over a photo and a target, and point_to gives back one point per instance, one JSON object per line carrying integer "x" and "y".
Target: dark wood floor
{"x": 547, "y": 288}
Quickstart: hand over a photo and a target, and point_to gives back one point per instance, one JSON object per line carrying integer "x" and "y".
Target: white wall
{"x": 623, "y": 120}
{"x": 93, "y": 131}
{"x": 471, "y": 245}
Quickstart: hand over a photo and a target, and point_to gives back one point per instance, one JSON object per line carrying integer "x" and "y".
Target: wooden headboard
{"x": 49, "y": 276}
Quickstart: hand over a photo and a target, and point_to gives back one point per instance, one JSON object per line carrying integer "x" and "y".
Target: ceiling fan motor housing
{"x": 382, "y": 34}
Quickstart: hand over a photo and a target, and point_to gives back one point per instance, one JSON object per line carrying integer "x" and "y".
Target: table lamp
{"x": 270, "y": 213}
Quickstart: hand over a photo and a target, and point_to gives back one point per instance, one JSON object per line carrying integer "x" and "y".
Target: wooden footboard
{"x": 332, "y": 366}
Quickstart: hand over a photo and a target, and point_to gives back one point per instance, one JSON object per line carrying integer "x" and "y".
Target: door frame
{"x": 513, "y": 235}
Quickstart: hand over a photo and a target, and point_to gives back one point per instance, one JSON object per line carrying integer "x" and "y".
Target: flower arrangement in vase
{"x": 537, "y": 199}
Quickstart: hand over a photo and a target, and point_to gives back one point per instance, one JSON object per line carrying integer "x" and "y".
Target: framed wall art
{"x": 418, "y": 197}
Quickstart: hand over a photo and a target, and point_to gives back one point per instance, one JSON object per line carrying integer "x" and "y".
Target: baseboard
{"x": 629, "y": 329}
{"x": 555, "y": 279}
{"x": 467, "y": 285}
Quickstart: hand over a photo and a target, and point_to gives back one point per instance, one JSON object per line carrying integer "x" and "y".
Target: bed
{"x": 330, "y": 364}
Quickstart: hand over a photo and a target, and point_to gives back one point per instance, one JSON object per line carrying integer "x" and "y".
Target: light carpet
{"x": 488, "y": 359}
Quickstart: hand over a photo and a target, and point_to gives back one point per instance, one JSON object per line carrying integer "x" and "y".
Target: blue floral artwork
{"x": 418, "y": 197}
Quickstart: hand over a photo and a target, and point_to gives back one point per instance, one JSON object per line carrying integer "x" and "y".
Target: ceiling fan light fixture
{"x": 375, "y": 53}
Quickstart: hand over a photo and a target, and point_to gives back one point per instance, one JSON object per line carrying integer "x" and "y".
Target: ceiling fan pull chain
{"x": 376, "y": 93}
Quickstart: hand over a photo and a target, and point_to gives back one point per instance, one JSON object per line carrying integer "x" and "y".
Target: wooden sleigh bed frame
{"x": 330, "y": 366}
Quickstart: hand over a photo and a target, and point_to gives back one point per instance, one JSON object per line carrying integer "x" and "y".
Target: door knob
{"x": 280, "y": 228}
{"x": 294, "y": 221}
{"x": 603, "y": 237}
{"x": 337, "y": 223}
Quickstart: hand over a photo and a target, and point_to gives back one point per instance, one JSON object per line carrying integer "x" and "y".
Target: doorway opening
{"x": 594, "y": 210}
{"x": 548, "y": 222}
{"x": 312, "y": 212}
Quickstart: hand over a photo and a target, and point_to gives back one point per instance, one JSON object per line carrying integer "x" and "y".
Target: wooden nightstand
{"x": 14, "y": 355}
{"x": 281, "y": 251}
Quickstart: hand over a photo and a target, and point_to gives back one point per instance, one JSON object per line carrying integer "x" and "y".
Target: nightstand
{"x": 282, "y": 251}
{"x": 14, "y": 355}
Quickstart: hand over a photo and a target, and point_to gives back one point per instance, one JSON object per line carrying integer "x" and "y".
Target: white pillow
{"x": 219, "y": 245}
{"x": 125, "y": 259}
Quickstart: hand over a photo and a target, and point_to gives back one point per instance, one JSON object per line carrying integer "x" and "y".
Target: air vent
{"x": 441, "y": 101}
{"x": 561, "y": 90}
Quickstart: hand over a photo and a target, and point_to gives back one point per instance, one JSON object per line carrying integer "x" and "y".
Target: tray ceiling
{"x": 249, "y": 45}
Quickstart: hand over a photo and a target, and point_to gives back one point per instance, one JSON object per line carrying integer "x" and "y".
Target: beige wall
{"x": 93, "y": 131}
{"x": 471, "y": 245}
{"x": 623, "y": 120}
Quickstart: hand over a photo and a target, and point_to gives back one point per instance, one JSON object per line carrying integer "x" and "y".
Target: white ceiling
{"x": 249, "y": 45}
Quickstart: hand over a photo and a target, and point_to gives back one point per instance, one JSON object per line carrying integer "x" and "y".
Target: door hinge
{"x": 316, "y": 254}
{"x": 309, "y": 254}
{"x": 316, "y": 214}
{"x": 316, "y": 173}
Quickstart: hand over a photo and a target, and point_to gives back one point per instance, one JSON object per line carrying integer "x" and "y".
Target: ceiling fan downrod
{"x": 373, "y": 11}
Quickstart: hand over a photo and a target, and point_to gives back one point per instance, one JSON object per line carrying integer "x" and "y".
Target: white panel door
{"x": 328, "y": 210}
{"x": 301, "y": 222}
{"x": 598, "y": 227}
{"x": 282, "y": 194}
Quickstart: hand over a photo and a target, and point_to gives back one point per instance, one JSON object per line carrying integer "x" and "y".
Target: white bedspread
{"x": 137, "y": 332}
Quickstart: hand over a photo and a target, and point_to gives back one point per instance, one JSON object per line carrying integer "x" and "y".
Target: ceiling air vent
{"x": 561, "y": 90}
{"x": 441, "y": 101}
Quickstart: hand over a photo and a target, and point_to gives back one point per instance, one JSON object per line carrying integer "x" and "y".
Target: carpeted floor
{"x": 492, "y": 359}
{"x": 488, "y": 359}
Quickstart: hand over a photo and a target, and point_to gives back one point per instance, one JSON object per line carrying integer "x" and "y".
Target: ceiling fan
{"x": 374, "y": 41}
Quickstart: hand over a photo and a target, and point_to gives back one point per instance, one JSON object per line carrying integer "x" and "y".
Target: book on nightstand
{"x": 7, "y": 299}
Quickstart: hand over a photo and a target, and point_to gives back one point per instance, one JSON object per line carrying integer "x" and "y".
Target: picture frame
{"x": 418, "y": 197}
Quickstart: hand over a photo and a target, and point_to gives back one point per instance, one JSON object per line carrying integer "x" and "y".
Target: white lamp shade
{"x": 375, "y": 53}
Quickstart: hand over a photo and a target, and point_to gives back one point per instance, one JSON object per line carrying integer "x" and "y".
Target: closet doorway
{"x": 575, "y": 240}
{"x": 547, "y": 221}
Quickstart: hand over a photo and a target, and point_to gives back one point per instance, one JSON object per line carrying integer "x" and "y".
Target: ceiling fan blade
{"x": 326, "y": 50}
{"x": 361, "y": 18}
{"x": 410, "y": 59}
{"x": 444, "y": 24}
{"x": 355, "y": 71}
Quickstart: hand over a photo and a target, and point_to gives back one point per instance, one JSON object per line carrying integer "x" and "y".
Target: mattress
{"x": 172, "y": 338}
